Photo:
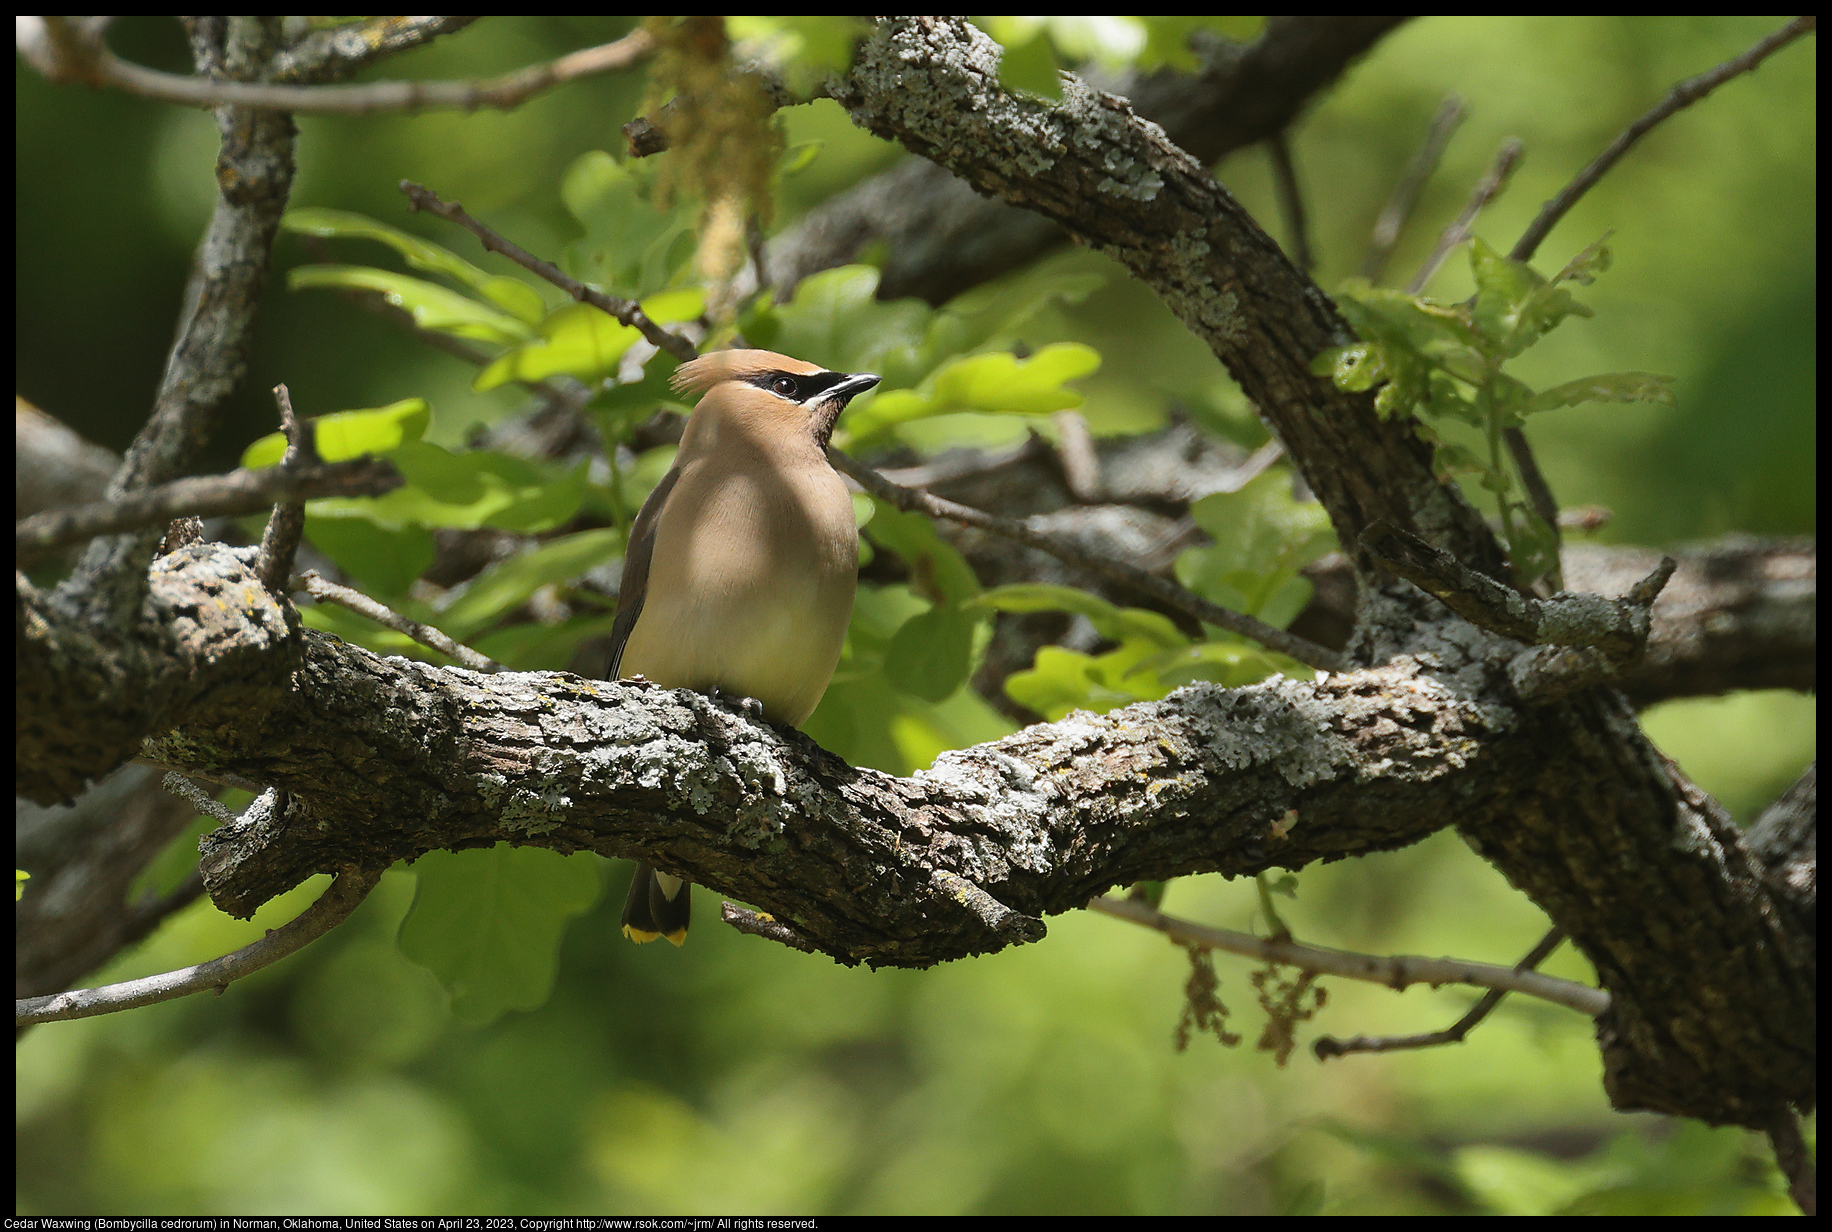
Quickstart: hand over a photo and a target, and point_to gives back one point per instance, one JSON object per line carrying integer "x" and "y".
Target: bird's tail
{"x": 658, "y": 906}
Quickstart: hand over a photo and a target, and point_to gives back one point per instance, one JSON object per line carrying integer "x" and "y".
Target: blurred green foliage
{"x": 738, "y": 1077}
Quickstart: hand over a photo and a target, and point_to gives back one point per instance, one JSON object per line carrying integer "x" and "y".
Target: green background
{"x": 738, "y": 1077}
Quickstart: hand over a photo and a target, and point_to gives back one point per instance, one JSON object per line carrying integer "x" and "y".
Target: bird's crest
{"x": 699, "y": 375}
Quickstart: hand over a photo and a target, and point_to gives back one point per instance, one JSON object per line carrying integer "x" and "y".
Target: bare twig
{"x": 1411, "y": 182}
{"x": 1539, "y": 497}
{"x": 1617, "y": 627}
{"x": 1487, "y": 189}
{"x": 624, "y": 310}
{"x": 205, "y": 803}
{"x": 1396, "y": 971}
{"x": 758, "y": 924}
{"x": 286, "y": 524}
{"x": 345, "y": 894}
{"x": 210, "y": 496}
{"x": 326, "y": 591}
{"x": 1291, "y": 199}
{"x": 334, "y": 52}
{"x": 1328, "y": 1046}
{"x": 1166, "y": 592}
{"x": 1678, "y": 98}
{"x": 65, "y": 54}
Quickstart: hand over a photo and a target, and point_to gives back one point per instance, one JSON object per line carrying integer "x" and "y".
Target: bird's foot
{"x": 749, "y": 705}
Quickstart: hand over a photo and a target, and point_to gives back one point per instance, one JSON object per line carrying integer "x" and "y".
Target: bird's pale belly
{"x": 777, "y": 641}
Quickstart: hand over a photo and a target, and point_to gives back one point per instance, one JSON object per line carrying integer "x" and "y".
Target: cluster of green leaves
{"x": 1262, "y": 538}
{"x": 1444, "y": 362}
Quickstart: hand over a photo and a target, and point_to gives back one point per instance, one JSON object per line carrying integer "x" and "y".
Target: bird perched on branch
{"x": 742, "y": 563}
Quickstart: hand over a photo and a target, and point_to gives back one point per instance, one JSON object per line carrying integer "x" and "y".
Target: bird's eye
{"x": 784, "y": 386}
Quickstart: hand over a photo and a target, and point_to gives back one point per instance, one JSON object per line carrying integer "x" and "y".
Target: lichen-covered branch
{"x": 385, "y": 759}
{"x": 1644, "y": 871}
{"x": 1115, "y": 182}
{"x": 941, "y": 239}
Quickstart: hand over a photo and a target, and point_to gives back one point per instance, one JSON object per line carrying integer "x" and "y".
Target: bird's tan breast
{"x": 751, "y": 582}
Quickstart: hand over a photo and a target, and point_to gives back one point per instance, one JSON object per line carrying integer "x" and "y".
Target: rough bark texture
{"x": 941, "y": 239}
{"x": 1672, "y": 1041}
{"x": 1703, "y": 941}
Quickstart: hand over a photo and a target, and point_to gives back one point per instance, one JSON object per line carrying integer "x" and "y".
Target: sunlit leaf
{"x": 1119, "y": 624}
{"x": 510, "y": 294}
{"x": 343, "y": 435}
{"x": 508, "y": 584}
{"x": 585, "y": 342}
{"x": 467, "y": 490}
{"x": 432, "y": 306}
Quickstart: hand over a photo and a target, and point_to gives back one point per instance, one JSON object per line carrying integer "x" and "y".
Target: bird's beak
{"x": 849, "y": 388}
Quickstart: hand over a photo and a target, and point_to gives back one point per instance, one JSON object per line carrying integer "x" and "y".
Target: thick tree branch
{"x": 385, "y": 759}
{"x": 941, "y": 239}
{"x": 1116, "y": 183}
{"x": 216, "y": 330}
{"x": 1739, "y": 613}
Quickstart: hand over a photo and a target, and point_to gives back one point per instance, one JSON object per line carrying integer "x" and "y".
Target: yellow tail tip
{"x": 642, "y": 936}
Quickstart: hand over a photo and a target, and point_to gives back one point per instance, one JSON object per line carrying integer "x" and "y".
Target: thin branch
{"x": 762, "y": 924}
{"x": 1412, "y": 180}
{"x": 1328, "y": 1046}
{"x": 1617, "y": 627}
{"x": 334, "y": 52}
{"x": 1166, "y": 592}
{"x": 1539, "y": 497}
{"x": 624, "y": 310}
{"x": 209, "y": 496}
{"x": 181, "y": 786}
{"x": 1678, "y": 98}
{"x": 1487, "y": 189}
{"x": 1291, "y": 199}
{"x": 326, "y": 591}
{"x": 1396, "y": 972}
{"x": 345, "y": 894}
{"x": 87, "y": 61}
{"x": 286, "y": 524}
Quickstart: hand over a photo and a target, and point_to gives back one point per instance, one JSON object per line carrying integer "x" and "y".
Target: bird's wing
{"x": 635, "y": 586}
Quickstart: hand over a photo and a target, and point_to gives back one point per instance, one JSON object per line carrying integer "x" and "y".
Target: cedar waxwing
{"x": 742, "y": 563}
